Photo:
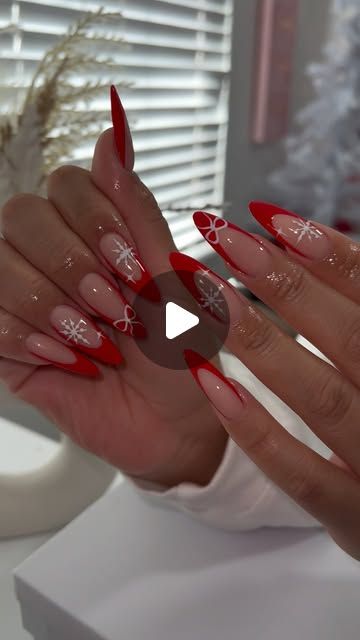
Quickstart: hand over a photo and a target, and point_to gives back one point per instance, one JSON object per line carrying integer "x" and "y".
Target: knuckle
{"x": 143, "y": 193}
{"x": 331, "y": 399}
{"x": 38, "y": 294}
{"x": 72, "y": 256}
{"x": 289, "y": 287}
{"x": 263, "y": 445}
{"x": 256, "y": 334}
{"x": 302, "y": 484}
{"x": 16, "y": 205}
{"x": 61, "y": 176}
{"x": 351, "y": 342}
{"x": 347, "y": 264}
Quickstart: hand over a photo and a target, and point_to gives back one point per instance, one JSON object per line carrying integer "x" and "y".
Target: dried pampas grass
{"x": 50, "y": 126}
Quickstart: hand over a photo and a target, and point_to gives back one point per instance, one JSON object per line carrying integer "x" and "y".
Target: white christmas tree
{"x": 321, "y": 178}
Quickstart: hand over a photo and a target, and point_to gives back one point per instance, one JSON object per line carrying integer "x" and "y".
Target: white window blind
{"x": 177, "y": 60}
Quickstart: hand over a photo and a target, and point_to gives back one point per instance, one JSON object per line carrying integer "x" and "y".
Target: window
{"x": 178, "y": 59}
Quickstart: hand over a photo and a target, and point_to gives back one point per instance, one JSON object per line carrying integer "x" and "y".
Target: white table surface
{"x": 155, "y": 574}
{"x": 20, "y": 450}
{"x": 126, "y": 569}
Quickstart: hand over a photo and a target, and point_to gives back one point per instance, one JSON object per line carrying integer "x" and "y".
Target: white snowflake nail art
{"x": 125, "y": 254}
{"x": 73, "y": 331}
{"x": 304, "y": 229}
{"x": 128, "y": 321}
{"x": 280, "y": 232}
{"x": 213, "y": 227}
{"x": 211, "y": 298}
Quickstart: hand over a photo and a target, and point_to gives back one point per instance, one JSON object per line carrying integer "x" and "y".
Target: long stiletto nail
{"x": 57, "y": 354}
{"x": 84, "y": 334}
{"x": 218, "y": 389}
{"x": 124, "y": 261}
{"x": 237, "y": 247}
{"x": 293, "y": 231}
{"x": 111, "y": 305}
{"x": 122, "y": 135}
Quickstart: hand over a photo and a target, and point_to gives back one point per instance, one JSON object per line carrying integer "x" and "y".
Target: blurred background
{"x": 228, "y": 100}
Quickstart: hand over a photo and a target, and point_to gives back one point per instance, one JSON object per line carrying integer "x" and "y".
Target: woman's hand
{"x": 315, "y": 287}
{"x": 61, "y": 261}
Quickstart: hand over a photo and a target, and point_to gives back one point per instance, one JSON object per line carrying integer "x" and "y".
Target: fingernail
{"x": 122, "y": 135}
{"x": 212, "y": 293}
{"x": 293, "y": 231}
{"x": 239, "y": 248}
{"x": 84, "y": 334}
{"x": 219, "y": 391}
{"x": 123, "y": 259}
{"x": 111, "y": 305}
{"x": 60, "y": 356}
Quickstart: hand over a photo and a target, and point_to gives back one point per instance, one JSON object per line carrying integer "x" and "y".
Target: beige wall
{"x": 248, "y": 165}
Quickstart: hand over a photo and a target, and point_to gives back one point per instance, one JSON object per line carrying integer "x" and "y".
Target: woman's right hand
{"x": 59, "y": 261}
{"x": 314, "y": 286}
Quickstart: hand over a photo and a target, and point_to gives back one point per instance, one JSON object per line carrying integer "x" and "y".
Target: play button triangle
{"x": 178, "y": 320}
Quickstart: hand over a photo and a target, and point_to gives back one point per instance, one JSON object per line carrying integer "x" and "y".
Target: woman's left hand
{"x": 315, "y": 286}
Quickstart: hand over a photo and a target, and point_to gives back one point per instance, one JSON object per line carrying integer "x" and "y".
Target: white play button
{"x": 178, "y": 320}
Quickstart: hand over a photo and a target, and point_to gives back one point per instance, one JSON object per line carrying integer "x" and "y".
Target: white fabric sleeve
{"x": 240, "y": 496}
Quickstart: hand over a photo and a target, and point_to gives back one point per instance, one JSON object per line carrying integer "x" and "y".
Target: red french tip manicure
{"x": 148, "y": 289}
{"x": 185, "y": 268}
{"x": 82, "y": 366}
{"x": 107, "y": 352}
{"x": 195, "y": 361}
{"x": 264, "y": 212}
{"x": 122, "y": 136}
{"x": 118, "y": 119}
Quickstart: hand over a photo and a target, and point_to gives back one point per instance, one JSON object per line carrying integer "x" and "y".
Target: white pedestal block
{"x": 128, "y": 570}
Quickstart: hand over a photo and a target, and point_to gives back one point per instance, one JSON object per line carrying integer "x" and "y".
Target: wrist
{"x": 194, "y": 459}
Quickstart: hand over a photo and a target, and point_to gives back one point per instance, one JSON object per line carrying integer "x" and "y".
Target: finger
{"x": 30, "y": 296}
{"x": 320, "y": 313}
{"x": 328, "y": 254}
{"x": 94, "y": 218}
{"x": 34, "y": 227}
{"x": 327, "y": 402}
{"x": 135, "y": 203}
{"x": 19, "y": 341}
{"x": 325, "y": 491}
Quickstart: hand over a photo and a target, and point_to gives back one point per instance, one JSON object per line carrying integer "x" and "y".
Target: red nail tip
{"x": 179, "y": 261}
{"x": 145, "y": 287}
{"x": 264, "y": 212}
{"x": 107, "y": 353}
{"x": 195, "y": 361}
{"x": 82, "y": 366}
{"x": 119, "y": 123}
{"x": 149, "y": 289}
{"x": 185, "y": 268}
